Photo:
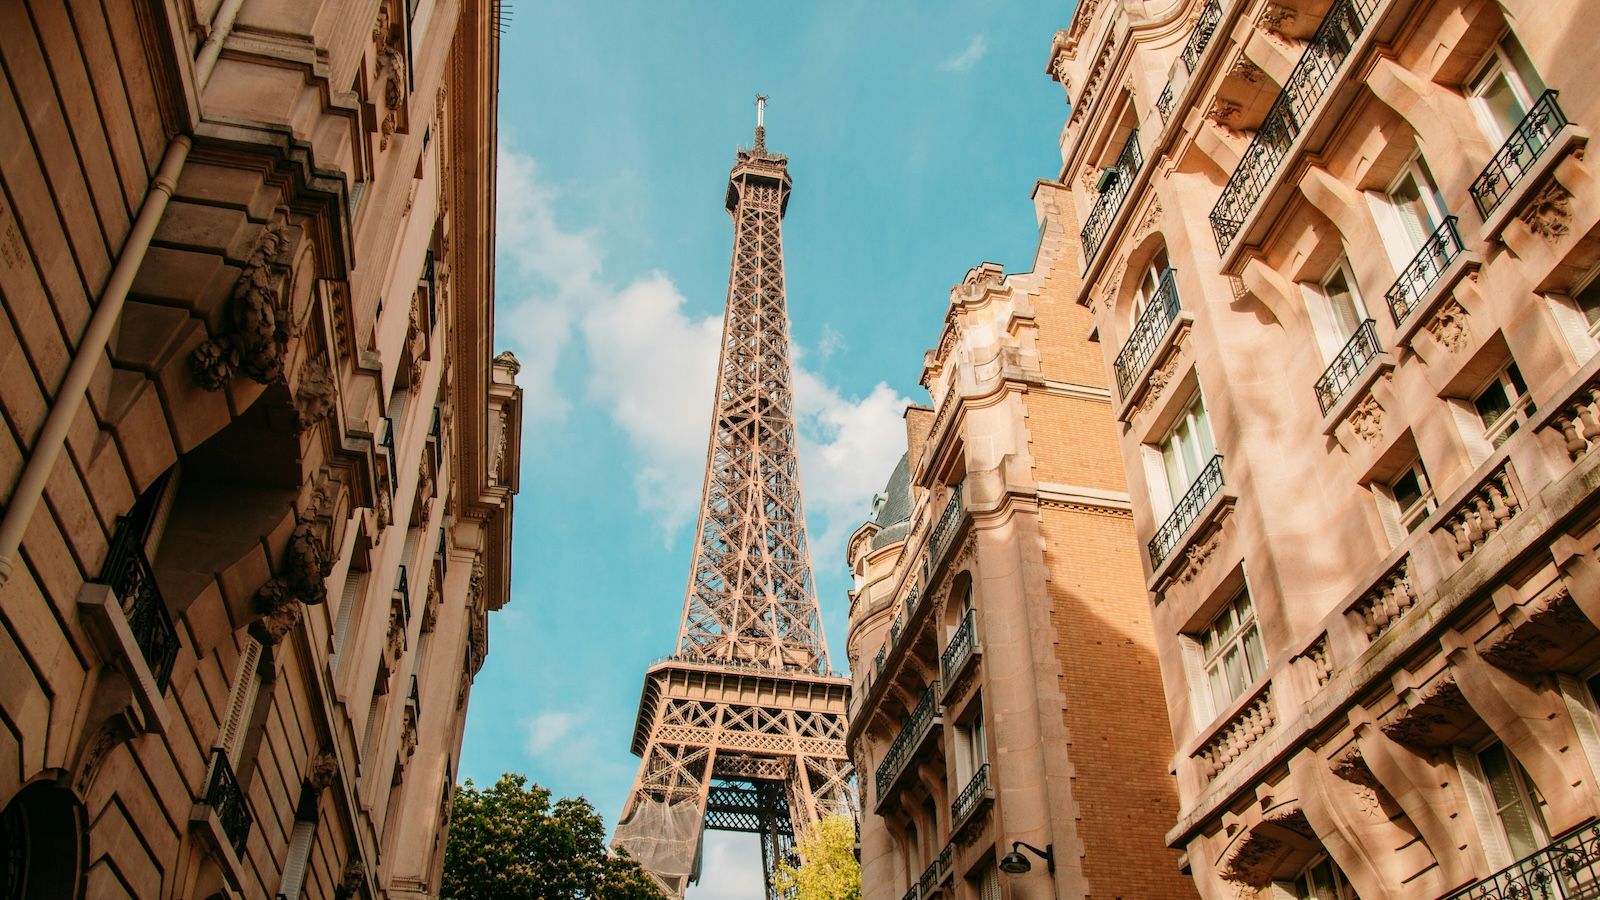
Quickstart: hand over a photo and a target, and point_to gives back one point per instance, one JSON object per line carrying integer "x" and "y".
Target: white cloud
{"x": 654, "y": 369}
{"x": 549, "y": 730}
{"x": 545, "y": 273}
{"x": 830, "y": 343}
{"x": 969, "y": 56}
{"x": 731, "y": 868}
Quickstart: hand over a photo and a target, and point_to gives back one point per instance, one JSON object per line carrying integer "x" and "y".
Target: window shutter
{"x": 1194, "y": 668}
{"x": 1482, "y": 806}
{"x": 294, "y": 868}
{"x": 1585, "y": 720}
{"x": 246, "y": 681}
{"x": 355, "y": 586}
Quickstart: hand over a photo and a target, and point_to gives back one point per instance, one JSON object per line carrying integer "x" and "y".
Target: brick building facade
{"x": 1005, "y": 679}
{"x": 256, "y": 461}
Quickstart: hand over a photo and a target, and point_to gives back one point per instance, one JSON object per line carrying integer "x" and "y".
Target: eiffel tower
{"x": 742, "y": 729}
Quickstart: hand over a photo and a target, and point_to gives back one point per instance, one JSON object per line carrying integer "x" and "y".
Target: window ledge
{"x": 205, "y": 823}
{"x": 1198, "y": 545}
{"x": 1466, "y": 262}
{"x": 113, "y": 640}
{"x": 1381, "y": 364}
{"x": 1569, "y": 137}
{"x": 1172, "y": 344}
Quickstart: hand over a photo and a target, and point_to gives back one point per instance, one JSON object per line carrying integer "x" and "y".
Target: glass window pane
{"x": 1233, "y": 663}
{"x": 1176, "y": 484}
{"x": 1342, "y": 301}
{"x": 1499, "y": 102}
{"x": 1492, "y": 403}
{"x": 1417, "y": 219}
{"x": 1589, "y": 301}
{"x": 1254, "y": 654}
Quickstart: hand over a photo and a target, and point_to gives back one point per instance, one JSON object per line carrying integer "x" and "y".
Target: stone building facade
{"x": 257, "y": 462}
{"x": 1005, "y": 681}
{"x": 1341, "y": 261}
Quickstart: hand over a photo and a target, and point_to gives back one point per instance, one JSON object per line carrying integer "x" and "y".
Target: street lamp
{"x": 1014, "y": 863}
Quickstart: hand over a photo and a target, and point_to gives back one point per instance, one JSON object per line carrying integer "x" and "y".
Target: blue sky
{"x": 915, "y": 132}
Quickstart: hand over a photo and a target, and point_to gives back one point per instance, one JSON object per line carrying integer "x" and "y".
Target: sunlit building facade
{"x": 1340, "y": 258}
{"x": 257, "y": 461}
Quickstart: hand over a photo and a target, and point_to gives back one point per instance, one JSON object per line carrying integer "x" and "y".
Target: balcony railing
{"x": 388, "y": 445}
{"x": 402, "y": 592}
{"x": 1357, "y": 354}
{"x": 967, "y": 801}
{"x": 225, "y": 798}
{"x": 961, "y": 647}
{"x": 127, "y": 572}
{"x": 1423, "y": 272}
{"x": 929, "y": 882}
{"x": 1301, "y": 93}
{"x": 912, "y": 893}
{"x": 1512, "y": 162}
{"x": 905, "y": 744}
{"x": 1154, "y": 321}
{"x": 1164, "y": 103}
{"x": 1105, "y": 209}
{"x": 943, "y": 530}
{"x": 1567, "y": 869}
{"x": 1200, "y": 35}
{"x": 433, "y": 288}
{"x": 1187, "y": 511}
{"x": 437, "y": 441}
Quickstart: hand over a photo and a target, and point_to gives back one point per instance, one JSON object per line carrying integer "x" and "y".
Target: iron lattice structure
{"x": 743, "y": 728}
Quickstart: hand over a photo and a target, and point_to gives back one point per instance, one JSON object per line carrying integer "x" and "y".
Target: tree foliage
{"x": 508, "y": 842}
{"x": 828, "y": 868}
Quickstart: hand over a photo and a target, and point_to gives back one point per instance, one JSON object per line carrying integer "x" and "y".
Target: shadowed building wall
{"x": 256, "y": 461}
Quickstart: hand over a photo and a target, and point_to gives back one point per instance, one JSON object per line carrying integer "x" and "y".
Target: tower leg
{"x": 666, "y": 812}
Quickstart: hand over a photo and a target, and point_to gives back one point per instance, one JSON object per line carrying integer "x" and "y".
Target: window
{"x": 1503, "y": 405}
{"x": 1412, "y": 495}
{"x": 1322, "y": 880}
{"x": 989, "y": 883}
{"x": 974, "y": 753}
{"x": 1504, "y": 89}
{"x": 1232, "y": 655}
{"x": 1341, "y": 311}
{"x": 1517, "y": 805}
{"x": 294, "y": 866}
{"x": 1417, "y": 207}
{"x": 1186, "y": 449}
{"x": 1588, "y": 300}
{"x": 1150, "y": 282}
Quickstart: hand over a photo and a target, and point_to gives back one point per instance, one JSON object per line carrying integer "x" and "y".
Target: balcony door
{"x": 1337, "y": 310}
{"x": 1150, "y": 283}
{"x": 1506, "y": 804}
{"x": 1416, "y": 209}
{"x": 1186, "y": 450}
{"x": 1504, "y": 89}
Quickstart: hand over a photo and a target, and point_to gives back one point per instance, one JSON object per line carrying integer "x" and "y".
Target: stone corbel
{"x": 1267, "y": 285}
{"x": 1341, "y": 203}
{"x": 1420, "y": 787}
{"x": 255, "y": 334}
{"x": 1581, "y": 574}
{"x": 1351, "y": 826}
{"x": 1531, "y": 720}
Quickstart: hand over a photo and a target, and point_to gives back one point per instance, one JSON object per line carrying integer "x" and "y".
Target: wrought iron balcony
{"x": 402, "y": 593}
{"x": 1356, "y": 355}
{"x": 433, "y": 288}
{"x": 974, "y": 793}
{"x": 906, "y": 743}
{"x": 943, "y": 530}
{"x": 1200, "y": 35}
{"x": 912, "y": 893}
{"x": 1154, "y": 321}
{"x": 225, "y": 798}
{"x": 877, "y": 663}
{"x": 1567, "y": 869}
{"x": 929, "y": 882}
{"x": 435, "y": 438}
{"x": 1111, "y": 196}
{"x": 1423, "y": 272}
{"x": 127, "y": 572}
{"x": 1301, "y": 93}
{"x": 1187, "y": 511}
{"x": 960, "y": 649}
{"x": 388, "y": 445}
{"x": 1164, "y": 103}
{"x": 1528, "y": 141}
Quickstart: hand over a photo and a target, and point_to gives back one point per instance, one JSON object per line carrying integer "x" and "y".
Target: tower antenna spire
{"x": 761, "y": 123}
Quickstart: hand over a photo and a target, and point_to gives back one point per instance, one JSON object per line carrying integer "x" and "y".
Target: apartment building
{"x": 1007, "y": 723}
{"x": 1340, "y": 258}
{"x": 256, "y": 461}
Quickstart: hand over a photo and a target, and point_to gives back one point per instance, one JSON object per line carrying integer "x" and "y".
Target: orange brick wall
{"x": 1120, "y": 742}
{"x": 1073, "y": 442}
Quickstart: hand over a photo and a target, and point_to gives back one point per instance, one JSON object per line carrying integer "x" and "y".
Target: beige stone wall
{"x": 1391, "y": 658}
{"x": 290, "y": 401}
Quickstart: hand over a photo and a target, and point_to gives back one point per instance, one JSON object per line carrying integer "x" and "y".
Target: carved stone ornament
{"x": 408, "y": 739}
{"x": 354, "y": 876}
{"x": 281, "y": 621}
{"x": 314, "y": 399}
{"x": 479, "y": 637}
{"x": 1549, "y": 213}
{"x": 302, "y": 577}
{"x": 396, "y": 641}
{"x": 321, "y": 770}
{"x": 497, "y": 465}
{"x": 1366, "y": 420}
{"x": 392, "y": 69}
{"x": 1247, "y": 71}
{"x": 1152, "y": 218}
{"x": 256, "y": 332}
{"x": 1224, "y": 114}
{"x": 1450, "y": 326}
{"x": 475, "y": 584}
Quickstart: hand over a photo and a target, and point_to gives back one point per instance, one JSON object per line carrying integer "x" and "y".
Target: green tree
{"x": 508, "y": 842}
{"x": 828, "y": 868}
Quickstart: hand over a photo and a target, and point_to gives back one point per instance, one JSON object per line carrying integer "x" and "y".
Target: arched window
{"x": 44, "y": 835}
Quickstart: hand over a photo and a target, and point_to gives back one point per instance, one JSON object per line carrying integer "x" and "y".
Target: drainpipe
{"x": 69, "y": 399}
